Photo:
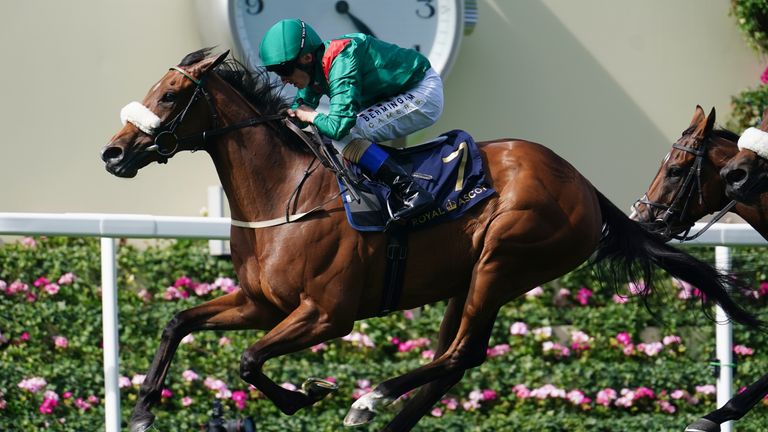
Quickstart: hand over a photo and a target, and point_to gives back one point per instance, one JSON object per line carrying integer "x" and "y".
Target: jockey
{"x": 378, "y": 92}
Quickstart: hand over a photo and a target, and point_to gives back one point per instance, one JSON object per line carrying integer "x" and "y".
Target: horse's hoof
{"x": 357, "y": 417}
{"x": 317, "y": 388}
{"x": 703, "y": 425}
{"x": 141, "y": 423}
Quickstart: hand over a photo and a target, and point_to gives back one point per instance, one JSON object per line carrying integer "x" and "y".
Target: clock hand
{"x": 342, "y": 7}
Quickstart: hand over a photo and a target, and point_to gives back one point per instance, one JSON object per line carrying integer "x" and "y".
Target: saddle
{"x": 449, "y": 166}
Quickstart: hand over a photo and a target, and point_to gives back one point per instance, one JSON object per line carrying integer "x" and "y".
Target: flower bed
{"x": 567, "y": 356}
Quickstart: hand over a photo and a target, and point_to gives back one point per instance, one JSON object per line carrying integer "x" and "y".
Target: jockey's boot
{"x": 378, "y": 164}
{"x": 415, "y": 198}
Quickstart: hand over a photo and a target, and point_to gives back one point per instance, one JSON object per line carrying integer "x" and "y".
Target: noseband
{"x": 679, "y": 207}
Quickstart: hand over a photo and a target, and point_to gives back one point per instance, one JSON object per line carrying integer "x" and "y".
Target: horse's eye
{"x": 675, "y": 171}
{"x": 168, "y": 97}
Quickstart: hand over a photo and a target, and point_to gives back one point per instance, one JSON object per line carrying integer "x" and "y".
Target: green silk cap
{"x": 287, "y": 40}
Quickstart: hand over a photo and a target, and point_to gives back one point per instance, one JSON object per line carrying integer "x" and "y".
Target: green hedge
{"x": 748, "y": 107}
{"x": 751, "y": 17}
{"x": 50, "y": 293}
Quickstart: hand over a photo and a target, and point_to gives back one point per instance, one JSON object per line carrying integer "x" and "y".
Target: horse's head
{"x": 170, "y": 119}
{"x": 688, "y": 185}
{"x": 746, "y": 174}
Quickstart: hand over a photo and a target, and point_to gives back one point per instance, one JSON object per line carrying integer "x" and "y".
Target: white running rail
{"x": 108, "y": 227}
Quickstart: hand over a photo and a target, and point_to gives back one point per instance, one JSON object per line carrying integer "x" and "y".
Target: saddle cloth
{"x": 450, "y": 167}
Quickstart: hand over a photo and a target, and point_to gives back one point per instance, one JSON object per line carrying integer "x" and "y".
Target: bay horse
{"x": 746, "y": 173}
{"x": 689, "y": 185}
{"x": 308, "y": 281}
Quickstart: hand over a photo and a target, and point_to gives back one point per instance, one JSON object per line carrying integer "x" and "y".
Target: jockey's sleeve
{"x": 307, "y": 97}
{"x": 344, "y": 84}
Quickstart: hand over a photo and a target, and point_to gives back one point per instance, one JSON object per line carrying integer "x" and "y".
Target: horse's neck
{"x": 258, "y": 173}
{"x": 756, "y": 216}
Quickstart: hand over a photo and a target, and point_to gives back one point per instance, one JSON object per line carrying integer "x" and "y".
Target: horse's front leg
{"x": 233, "y": 311}
{"x": 306, "y": 326}
{"x": 734, "y": 409}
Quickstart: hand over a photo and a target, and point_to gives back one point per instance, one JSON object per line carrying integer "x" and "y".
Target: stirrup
{"x": 407, "y": 212}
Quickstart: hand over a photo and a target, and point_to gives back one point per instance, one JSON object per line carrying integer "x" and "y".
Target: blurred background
{"x": 609, "y": 85}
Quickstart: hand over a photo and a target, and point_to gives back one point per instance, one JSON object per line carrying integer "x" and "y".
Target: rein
{"x": 166, "y": 144}
{"x": 683, "y": 198}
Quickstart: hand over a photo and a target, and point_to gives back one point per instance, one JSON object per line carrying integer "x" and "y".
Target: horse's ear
{"x": 220, "y": 59}
{"x": 705, "y": 125}
{"x": 710, "y": 122}
{"x": 764, "y": 122}
{"x": 698, "y": 116}
{"x": 211, "y": 62}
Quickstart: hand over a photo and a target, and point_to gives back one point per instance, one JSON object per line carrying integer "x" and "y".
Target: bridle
{"x": 677, "y": 210}
{"x": 166, "y": 142}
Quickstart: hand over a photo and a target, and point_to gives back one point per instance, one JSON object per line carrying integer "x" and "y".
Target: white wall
{"x": 67, "y": 69}
{"x": 607, "y": 84}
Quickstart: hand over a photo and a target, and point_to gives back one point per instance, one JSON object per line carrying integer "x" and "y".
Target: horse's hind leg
{"x": 418, "y": 406}
{"x": 734, "y": 409}
{"x": 467, "y": 350}
{"x": 233, "y": 311}
{"x": 306, "y": 326}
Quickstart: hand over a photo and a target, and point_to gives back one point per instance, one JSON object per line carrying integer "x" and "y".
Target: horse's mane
{"x": 726, "y": 134}
{"x": 257, "y": 86}
{"x": 719, "y": 132}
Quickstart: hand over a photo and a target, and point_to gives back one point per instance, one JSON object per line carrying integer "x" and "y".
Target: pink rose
{"x": 33, "y": 385}
{"x": 48, "y": 406}
{"x": 190, "y": 375}
{"x": 638, "y": 288}
{"x": 583, "y": 296}
{"x": 618, "y": 299}
{"x": 624, "y": 338}
{"x": 51, "y": 288}
{"x": 605, "y": 396}
{"x": 67, "y": 278}
{"x": 60, "y": 342}
{"x": 182, "y": 282}
{"x": 239, "y": 397}
{"x": 518, "y": 329}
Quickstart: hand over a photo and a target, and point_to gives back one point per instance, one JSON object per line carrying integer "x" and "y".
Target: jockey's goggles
{"x": 283, "y": 69}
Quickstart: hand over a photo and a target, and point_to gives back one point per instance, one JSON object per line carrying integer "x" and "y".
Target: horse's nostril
{"x": 735, "y": 175}
{"x": 111, "y": 153}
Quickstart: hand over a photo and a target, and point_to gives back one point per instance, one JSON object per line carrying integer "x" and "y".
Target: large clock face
{"x": 433, "y": 27}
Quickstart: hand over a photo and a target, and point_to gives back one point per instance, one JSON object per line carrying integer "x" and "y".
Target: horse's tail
{"x": 630, "y": 253}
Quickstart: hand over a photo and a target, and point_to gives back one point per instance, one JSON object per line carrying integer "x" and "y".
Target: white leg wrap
{"x": 141, "y": 117}
{"x": 370, "y": 401}
{"x": 756, "y": 140}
